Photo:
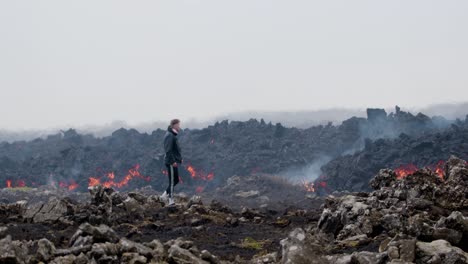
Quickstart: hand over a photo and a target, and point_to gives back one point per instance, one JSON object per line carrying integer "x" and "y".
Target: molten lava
{"x": 439, "y": 169}
{"x": 70, "y": 186}
{"x": 198, "y": 174}
{"x": 405, "y": 170}
{"x": 110, "y": 182}
{"x": 409, "y": 169}
{"x": 8, "y": 183}
{"x": 93, "y": 181}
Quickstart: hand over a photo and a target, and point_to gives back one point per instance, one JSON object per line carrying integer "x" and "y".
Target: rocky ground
{"x": 106, "y": 226}
{"x": 420, "y": 218}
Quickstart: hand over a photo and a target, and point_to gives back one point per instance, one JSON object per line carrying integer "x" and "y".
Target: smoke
{"x": 450, "y": 111}
{"x": 308, "y": 173}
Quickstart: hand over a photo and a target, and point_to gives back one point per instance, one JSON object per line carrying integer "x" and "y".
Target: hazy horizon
{"x": 75, "y": 64}
{"x": 299, "y": 119}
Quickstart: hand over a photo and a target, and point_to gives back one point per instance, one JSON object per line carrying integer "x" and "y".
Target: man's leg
{"x": 170, "y": 175}
{"x": 174, "y": 179}
{"x": 176, "y": 175}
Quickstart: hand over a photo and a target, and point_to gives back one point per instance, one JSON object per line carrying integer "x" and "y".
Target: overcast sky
{"x": 90, "y": 62}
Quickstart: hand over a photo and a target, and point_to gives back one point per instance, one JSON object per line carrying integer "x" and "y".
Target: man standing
{"x": 172, "y": 158}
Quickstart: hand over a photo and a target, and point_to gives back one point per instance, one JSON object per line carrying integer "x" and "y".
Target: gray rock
{"x": 296, "y": 248}
{"x": 138, "y": 196}
{"x": 101, "y": 233}
{"x": 266, "y": 259}
{"x": 183, "y": 256}
{"x": 206, "y": 255}
{"x": 440, "y": 251}
{"x": 196, "y": 199}
{"x": 133, "y": 258}
{"x": 365, "y": 257}
{"x": 45, "y": 250}
{"x": 133, "y": 247}
{"x": 69, "y": 259}
{"x": 11, "y": 252}
{"x": 3, "y": 231}
{"x": 158, "y": 250}
{"x": 100, "y": 250}
{"x": 51, "y": 211}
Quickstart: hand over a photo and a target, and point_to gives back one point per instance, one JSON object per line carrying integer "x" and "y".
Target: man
{"x": 172, "y": 158}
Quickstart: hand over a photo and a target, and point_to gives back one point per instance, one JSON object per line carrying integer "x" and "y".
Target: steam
{"x": 308, "y": 173}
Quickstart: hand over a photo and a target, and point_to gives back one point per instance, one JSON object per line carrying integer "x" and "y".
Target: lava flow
{"x": 70, "y": 186}
{"x": 110, "y": 182}
{"x": 408, "y": 169}
{"x": 198, "y": 174}
{"x": 17, "y": 184}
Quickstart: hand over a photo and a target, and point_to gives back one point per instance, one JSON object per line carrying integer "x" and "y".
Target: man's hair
{"x": 174, "y": 121}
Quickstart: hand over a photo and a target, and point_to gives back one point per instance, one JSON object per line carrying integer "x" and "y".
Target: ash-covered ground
{"x": 242, "y": 220}
{"x": 416, "y": 218}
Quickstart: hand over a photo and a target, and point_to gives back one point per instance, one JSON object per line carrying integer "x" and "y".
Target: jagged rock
{"x": 3, "y": 231}
{"x": 375, "y": 114}
{"x": 185, "y": 244}
{"x": 130, "y": 246}
{"x": 455, "y": 221}
{"x": 134, "y": 207}
{"x": 385, "y": 178}
{"x": 73, "y": 250}
{"x": 207, "y": 256}
{"x": 194, "y": 200}
{"x": 81, "y": 259}
{"x": 296, "y": 248}
{"x": 138, "y": 197}
{"x": 406, "y": 208}
{"x": 69, "y": 259}
{"x": 45, "y": 250}
{"x": 158, "y": 250}
{"x": 133, "y": 258}
{"x": 266, "y": 259}
{"x": 440, "y": 251}
{"x": 365, "y": 257}
{"x": 11, "y": 252}
{"x": 250, "y": 213}
{"x": 81, "y": 241}
{"x": 51, "y": 211}
{"x": 183, "y": 256}
{"x": 100, "y": 250}
{"x": 101, "y": 233}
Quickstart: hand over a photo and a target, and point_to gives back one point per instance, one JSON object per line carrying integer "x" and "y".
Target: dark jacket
{"x": 171, "y": 147}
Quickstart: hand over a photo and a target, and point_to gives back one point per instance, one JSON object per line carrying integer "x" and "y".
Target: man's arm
{"x": 168, "y": 149}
